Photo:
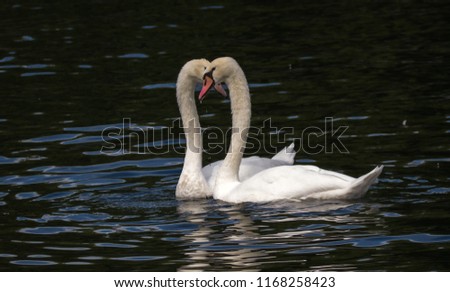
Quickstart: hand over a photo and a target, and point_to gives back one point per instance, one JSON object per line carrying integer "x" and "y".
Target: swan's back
{"x": 249, "y": 167}
{"x": 252, "y": 165}
{"x": 299, "y": 182}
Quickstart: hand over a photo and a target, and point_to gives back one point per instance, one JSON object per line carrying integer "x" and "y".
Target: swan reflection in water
{"x": 243, "y": 237}
{"x": 228, "y": 237}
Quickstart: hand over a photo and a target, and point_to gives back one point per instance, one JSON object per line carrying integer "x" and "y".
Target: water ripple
{"x": 33, "y": 263}
{"x": 50, "y": 230}
{"x": 30, "y": 74}
{"x": 376, "y": 241}
{"x": 159, "y": 86}
{"x": 419, "y": 162}
{"x": 133, "y": 56}
{"x": 69, "y": 180}
{"x": 212, "y": 7}
{"x": 52, "y": 138}
{"x": 26, "y": 195}
{"x": 7, "y": 59}
{"x": 115, "y": 245}
{"x": 10, "y": 160}
{"x": 139, "y": 258}
{"x": 146, "y": 163}
{"x": 78, "y": 217}
{"x": 100, "y": 128}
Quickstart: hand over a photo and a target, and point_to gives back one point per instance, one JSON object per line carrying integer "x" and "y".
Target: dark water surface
{"x": 71, "y": 69}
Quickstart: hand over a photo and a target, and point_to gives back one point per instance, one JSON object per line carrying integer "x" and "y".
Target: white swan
{"x": 277, "y": 183}
{"x": 195, "y": 182}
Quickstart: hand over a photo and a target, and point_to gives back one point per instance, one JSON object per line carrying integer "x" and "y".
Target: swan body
{"x": 251, "y": 165}
{"x": 195, "y": 182}
{"x": 276, "y": 183}
{"x": 297, "y": 182}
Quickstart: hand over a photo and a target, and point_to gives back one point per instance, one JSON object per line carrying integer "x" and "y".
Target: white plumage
{"x": 195, "y": 182}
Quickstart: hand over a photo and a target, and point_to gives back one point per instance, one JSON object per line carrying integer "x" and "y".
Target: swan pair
{"x": 252, "y": 179}
{"x": 195, "y": 181}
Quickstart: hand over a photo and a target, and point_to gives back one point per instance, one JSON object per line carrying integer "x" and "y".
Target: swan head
{"x": 194, "y": 70}
{"x": 219, "y": 71}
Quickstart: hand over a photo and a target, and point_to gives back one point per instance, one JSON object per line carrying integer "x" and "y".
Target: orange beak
{"x": 208, "y": 82}
{"x": 218, "y": 87}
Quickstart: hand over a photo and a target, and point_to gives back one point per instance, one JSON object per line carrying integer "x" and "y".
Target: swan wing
{"x": 287, "y": 154}
{"x": 298, "y": 182}
{"x": 254, "y": 164}
{"x": 249, "y": 167}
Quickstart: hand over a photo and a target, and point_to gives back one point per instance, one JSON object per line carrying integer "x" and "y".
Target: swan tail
{"x": 286, "y": 155}
{"x": 360, "y": 185}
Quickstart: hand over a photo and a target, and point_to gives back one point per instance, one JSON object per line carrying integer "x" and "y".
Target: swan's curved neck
{"x": 241, "y": 112}
{"x": 191, "y": 123}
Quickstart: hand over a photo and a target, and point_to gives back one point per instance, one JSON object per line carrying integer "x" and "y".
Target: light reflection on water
{"x": 66, "y": 205}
